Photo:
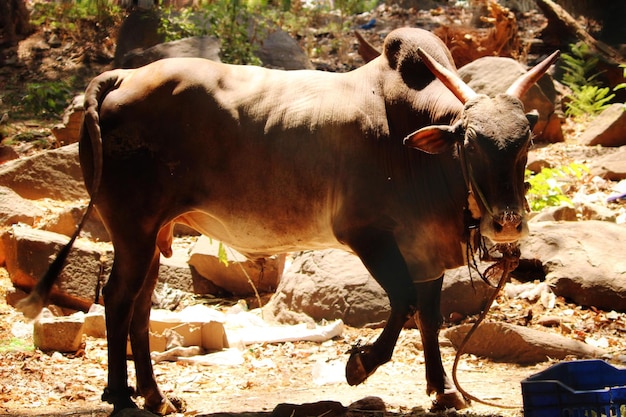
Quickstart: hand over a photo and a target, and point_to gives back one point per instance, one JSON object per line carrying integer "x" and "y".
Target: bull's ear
{"x": 532, "y": 117}
{"x": 434, "y": 139}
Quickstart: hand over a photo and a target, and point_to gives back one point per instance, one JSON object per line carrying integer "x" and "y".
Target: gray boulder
{"x": 68, "y": 131}
{"x": 15, "y": 209}
{"x": 333, "y": 284}
{"x": 207, "y": 47}
{"x": 140, "y": 30}
{"x": 608, "y": 129}
{"x": 584, "y": 262}
{"x": 29, "y": 253}
{"x": 54, "y": 174}
{"x": 523, "y": 345}
{"x": 611, "y": 166}
{"x": 280, "y": 50}
{"x": 241, "y": 276}
{"x": 329, "y": 284}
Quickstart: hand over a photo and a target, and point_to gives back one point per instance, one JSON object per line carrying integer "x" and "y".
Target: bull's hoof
{"x": 355, "y": 371}
{"x": 449, "y": 400}
{"x": 132, "y": 412}
{"x": 119, "y": 401}
{"x": 358, "y": 368}
{"x": 168, "y": 406}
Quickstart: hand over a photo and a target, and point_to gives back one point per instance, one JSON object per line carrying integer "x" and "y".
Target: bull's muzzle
{"x": 506, "y": 226}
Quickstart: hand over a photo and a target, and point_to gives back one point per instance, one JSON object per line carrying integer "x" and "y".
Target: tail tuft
{"x": 31, "y": 306}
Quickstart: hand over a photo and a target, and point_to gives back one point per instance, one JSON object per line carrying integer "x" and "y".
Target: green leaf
{"x": 222, "y": 256}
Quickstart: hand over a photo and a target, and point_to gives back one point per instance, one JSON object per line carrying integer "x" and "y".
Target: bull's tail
{"x": 96, "y": 91}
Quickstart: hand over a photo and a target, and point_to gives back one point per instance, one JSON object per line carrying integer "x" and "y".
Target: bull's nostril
{"x": 508, "y": 220}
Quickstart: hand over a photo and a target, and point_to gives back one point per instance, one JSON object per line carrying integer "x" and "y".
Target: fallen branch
{"x": 560, "y": 22}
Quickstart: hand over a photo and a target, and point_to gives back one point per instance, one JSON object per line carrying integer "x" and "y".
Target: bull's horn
{"x": 452, "y": 81}
{"x": 525, "y": 81}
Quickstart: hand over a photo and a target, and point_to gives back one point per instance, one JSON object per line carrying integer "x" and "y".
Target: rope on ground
{"x": 507, "y": 263}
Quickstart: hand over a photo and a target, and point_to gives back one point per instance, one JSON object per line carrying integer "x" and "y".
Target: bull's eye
{"x": 470, "y": 137}
{"x": 470, "y": 134}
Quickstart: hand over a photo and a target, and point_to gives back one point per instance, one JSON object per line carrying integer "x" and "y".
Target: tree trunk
{"x": 14, "y": 21}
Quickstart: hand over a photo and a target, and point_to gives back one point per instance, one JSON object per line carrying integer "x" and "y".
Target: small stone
{"x": 61, "y": 334}
{"x": 549, "y": 321}
{"x": 95, "y": 323}
{"x": 54, "y": 41}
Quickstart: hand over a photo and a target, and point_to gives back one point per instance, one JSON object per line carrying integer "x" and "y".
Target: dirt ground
{"x": 42, "y": 384}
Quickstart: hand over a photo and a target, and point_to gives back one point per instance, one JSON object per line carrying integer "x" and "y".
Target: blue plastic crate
{"x": 585, "y": 388}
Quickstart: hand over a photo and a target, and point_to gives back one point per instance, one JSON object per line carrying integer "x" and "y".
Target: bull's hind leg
{"x": 381, "y": 256}
{"x": 127, "y": 306}
{"x": 155, "y": 401}
{"x": 429, "y": 321}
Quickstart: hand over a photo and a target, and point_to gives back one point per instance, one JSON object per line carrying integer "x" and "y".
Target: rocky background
{"x": 566, "y": 299}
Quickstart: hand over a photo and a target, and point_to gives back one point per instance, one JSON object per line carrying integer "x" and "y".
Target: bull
{"x": 393, "y": 161}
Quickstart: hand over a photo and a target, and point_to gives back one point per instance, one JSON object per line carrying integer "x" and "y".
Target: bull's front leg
{"x": 380, "y": 255}
{"x": 429, "y": 321}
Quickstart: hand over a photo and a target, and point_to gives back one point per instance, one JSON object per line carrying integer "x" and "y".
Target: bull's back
{"x": 245, "y": 155}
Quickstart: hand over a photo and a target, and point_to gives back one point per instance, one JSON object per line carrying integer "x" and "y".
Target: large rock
{"x": 65, "y": 220}
{"x": 333, "y": 284}
{"x": 523, "y": 345}
{"x": 241, "y": 274}
{"x": 464, "y": 292}
{"x": 176, "y": 272}
{"x": 62, "y": 334}
{"x": 493, "y": 75}
{"x": 583, "y": 261}
{"x": 207, "y": 47}
{"x": 29, "y": 253}
{"x": 68, "y": 131}
{"x": 608, "y": 128}
{"x": 329, "y": 284}
{"x": 54, "y": 174}
{"x": 140, "y": 30}
{"x": 279, "y": 50}
{"x": 15, "y": 209}
{"x": 611, "y": 166}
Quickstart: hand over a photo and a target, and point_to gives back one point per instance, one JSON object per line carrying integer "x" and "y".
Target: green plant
{"x": 233, "y": 26}
{"x": 548, "y": 187}
{"x": 351, "y": 7}
{"x": 15, "y": 345}
{"x": 227, "y": 21}
{"x": 579, "y": 66}
{"x": 222, "y": 256}
{"x": 48, "y": 97}
{"x": 181, "y": 24}
{"x": 588, "y": 99}
{"x": 581, "y": 76}
{"x": 63, "y": 15}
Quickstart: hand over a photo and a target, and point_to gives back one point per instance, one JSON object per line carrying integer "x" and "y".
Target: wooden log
{"x": 560, "y": 22}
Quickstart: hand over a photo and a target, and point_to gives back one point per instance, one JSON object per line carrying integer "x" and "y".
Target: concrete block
{"x": 62, "y": 334}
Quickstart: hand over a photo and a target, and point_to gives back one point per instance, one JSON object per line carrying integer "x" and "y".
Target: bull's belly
{"x": 257, "y": 238}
